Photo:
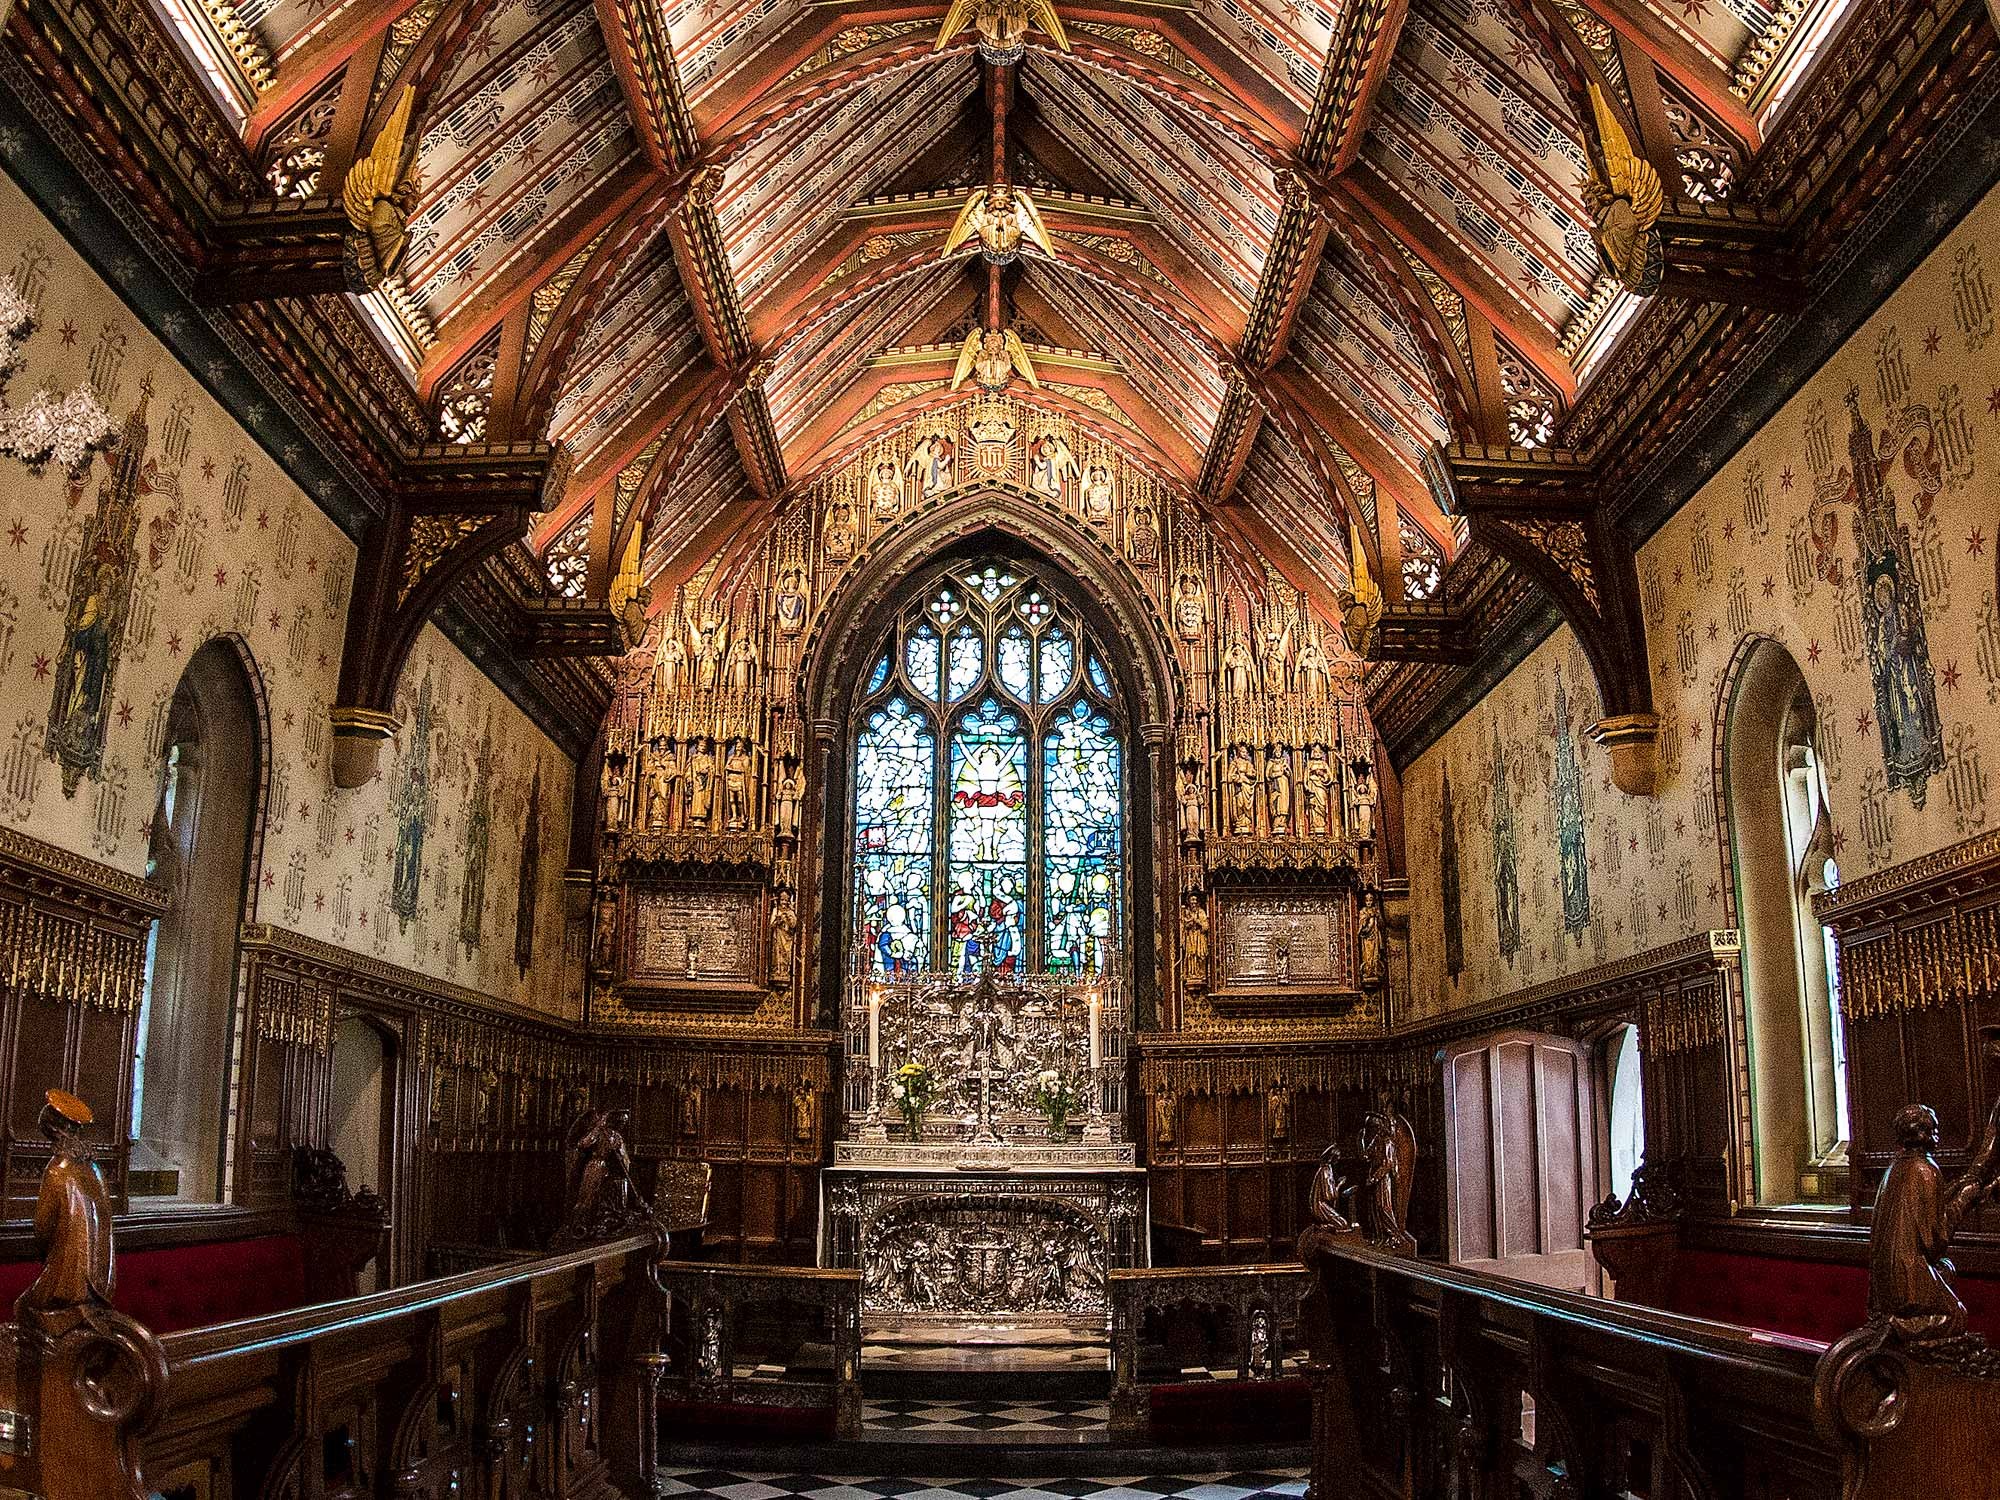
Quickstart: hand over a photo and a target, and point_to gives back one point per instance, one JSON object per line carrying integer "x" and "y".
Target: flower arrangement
{"x": 912, "y": 1087}
{"x": 1055, "y": 1096}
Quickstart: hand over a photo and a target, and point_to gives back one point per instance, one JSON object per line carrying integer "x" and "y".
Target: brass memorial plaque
{"x": 1286, "y": 942}
{"x": 690, "y": 938}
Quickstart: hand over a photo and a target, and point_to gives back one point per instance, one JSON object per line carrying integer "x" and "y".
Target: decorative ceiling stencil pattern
{"x": 1286, "y": 241}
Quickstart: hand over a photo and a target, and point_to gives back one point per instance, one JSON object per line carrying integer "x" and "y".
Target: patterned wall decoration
{"x": 1857, "y": 529}
{"x": 112, "y": 579}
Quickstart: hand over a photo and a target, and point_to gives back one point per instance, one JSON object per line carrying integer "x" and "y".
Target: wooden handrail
{"x": 1433, "y": 1380}
{"x": 270, "y": 1331}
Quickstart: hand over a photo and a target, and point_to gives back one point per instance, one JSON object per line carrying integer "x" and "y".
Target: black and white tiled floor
{"x": 711, "y": 1484}
{"x": 1002, "y": 1419}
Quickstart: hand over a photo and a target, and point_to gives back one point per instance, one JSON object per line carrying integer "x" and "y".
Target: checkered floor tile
{"x": 710, "y": 1484}
{"x": 910, "y": 1419}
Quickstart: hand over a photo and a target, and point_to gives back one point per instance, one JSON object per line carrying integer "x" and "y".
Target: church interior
{"x": 999, "y": 749}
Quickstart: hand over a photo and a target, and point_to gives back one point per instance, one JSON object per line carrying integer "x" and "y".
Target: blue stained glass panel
{"x": 880, "y": 675}
{"x": 967, "y": 651}
{"x": 1014, "y": 658}
{"x": 1099, "y": 678}
{"x": 895, "y": 761}
{"x": 921, "y": 654}
{"x": 1080, "y": 841}
{"x": 986, "y": 877}
{"x": 1058, "y": 666}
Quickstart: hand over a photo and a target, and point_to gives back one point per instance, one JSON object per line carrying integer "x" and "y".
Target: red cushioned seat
{"x": 1804, "y": 1298}
{"x": 193, "y": 1286}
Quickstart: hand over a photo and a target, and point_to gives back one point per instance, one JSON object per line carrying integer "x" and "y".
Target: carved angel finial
{"x": 1003, "y": 26}
{"x": 378, "y": 195}
{"x": 1001, "y": 216}
{"x": 993, "y": 357}
{"x": 1627, "y": 206}
{"x": 1361, "y": 606}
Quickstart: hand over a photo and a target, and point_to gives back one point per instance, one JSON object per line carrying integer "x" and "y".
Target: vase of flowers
{"x": 1055, "y": 1095}
{"x": 912, "y": 1087}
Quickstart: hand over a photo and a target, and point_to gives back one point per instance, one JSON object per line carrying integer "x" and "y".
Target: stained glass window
{"x": 994, "y": 835}
{"x": 1080, "y": 778}
{"x": 920, "y": 657}
{"x": 987, "y": 875}
{"x": 1058, "y": 666}
{"x": 1014, "y": 659}
{"x": 894, "y": 836}
{"x": 966, "y": 652}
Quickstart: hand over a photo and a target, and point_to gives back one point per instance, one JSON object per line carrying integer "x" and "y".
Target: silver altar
{"x": 983, "y": 1214}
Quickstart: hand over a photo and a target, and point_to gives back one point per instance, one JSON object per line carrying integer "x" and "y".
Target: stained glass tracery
{"x": 993, "y": 837}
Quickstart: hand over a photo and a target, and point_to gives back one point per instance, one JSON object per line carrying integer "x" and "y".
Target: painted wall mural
{"x": 112, "y": 578}
{"x": 1858, "y": 529}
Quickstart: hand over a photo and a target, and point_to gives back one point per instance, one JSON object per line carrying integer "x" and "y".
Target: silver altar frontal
{"x": 981, "y": 1212}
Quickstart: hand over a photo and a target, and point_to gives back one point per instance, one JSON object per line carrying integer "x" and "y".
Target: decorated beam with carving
{"x": 453, "y": 507}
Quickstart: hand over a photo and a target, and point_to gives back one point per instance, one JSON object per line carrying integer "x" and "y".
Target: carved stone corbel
{"x": 1543, "y": 512}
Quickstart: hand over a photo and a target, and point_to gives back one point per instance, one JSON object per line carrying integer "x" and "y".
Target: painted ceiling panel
{"x": 642, "y": 342}
{"x": 812, "y": 372}
{"x": 1279, "y": 486}
{"x": 784, "y": 198}
{"x": 1217, "y": 201}
{"x": 710, "y": 481}
{"x": 1181, "y": 381}
{"x": 712, "y": 39}
{"x": 284, "y": 26}
{"x": 1475, "y": 145}
{"x": 1349, "y": 340}
{"x": 511, "y": 146}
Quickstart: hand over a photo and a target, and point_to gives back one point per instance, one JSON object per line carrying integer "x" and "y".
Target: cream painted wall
{"x": 228, "y": 545}
{"x": 1739, "y": 560}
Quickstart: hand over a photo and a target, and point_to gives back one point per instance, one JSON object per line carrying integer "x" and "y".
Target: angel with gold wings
{"x": 993, "y": 357}
{"x": 1001, "y": 216}
{"x": 1361, "y": 606}
{"x": 378, "y": 195}
{"x": 1627, "y": 202}
{"x": 1002, "y": 25}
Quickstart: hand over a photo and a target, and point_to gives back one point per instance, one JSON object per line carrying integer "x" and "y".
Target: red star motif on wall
{"x": 1713, "y": 630}
{"x": 288, "y": 718}
{"x": 1839, "y": 839}
{"x": 173, "y": 645}
{"x": 319, "y": 900}
{"x": 364, "y": 919}
{"x": 67, "y": 333}
{"x": 312, "y": 565}
{"x": 350, "y": 834}
{"x": 322, "y": 661}
{"x": 42, "y": 665}
{"x": 1812, "y": 651}
{"x": 1770, "y": 587}
{"x": 263, "y": 520}
{"x": 208, "y": 468}
{"x": 1714, "y": 891}
{"x": 1729, "y": 529}
{"x": 124, "y": 715}
{"x": 1785, "y": 479}
{"x": 304, "y": 809}
{"x": 17, "y": 535}
{"x": 1949, "y": 677}
{"x": 274, "y": 619}
{"x": 1679, "y": 574}
{"x": 270, "y": 880}
{"x": 1863, "y": 722}
{"x": 1993, "y": 402}
{"x": 1975, "y": 544}
{"x": 1634, "y": 842}
{"x": 1933, "y": 341}
{"x": 221, "y": 577}
{"x": 1680, "y": 826}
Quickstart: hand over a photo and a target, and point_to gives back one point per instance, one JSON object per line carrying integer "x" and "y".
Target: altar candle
{"x": 874, "y": 1028}
{"x": 1096, "y": 1031}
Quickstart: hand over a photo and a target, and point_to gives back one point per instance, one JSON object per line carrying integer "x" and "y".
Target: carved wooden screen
{"x": 989, "y": 785}
{"x": 1521, "y": 1147}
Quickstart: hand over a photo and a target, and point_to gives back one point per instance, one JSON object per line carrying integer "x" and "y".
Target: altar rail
{"x": 1242, "y": 1316}
{"x": 1436, "y": 1382}
{"x": 774, "y": 1351}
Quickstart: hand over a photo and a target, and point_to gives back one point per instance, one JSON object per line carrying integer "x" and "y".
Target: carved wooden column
{"x": 453, "y": 507}
{"x": 1544, "y": 512}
